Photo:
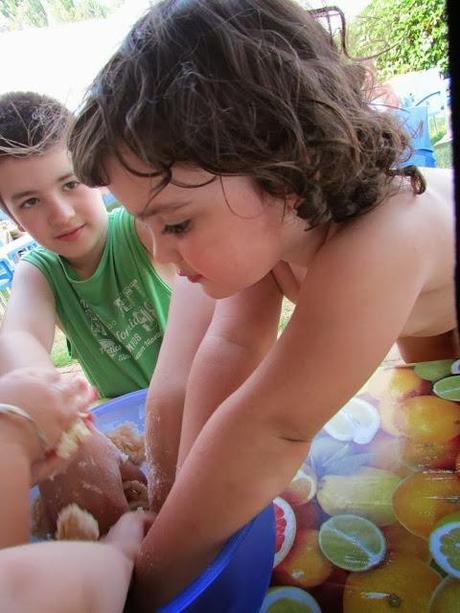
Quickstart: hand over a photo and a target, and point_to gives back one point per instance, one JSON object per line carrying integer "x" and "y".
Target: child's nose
{"x": 164, "y": 250}
{"x": 60, "y": 211}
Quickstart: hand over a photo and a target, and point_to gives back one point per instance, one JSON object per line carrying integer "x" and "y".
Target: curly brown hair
{"x": 243, "y": 87}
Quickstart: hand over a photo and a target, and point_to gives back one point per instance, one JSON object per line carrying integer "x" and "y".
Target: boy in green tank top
{"x": 94, "y": 274}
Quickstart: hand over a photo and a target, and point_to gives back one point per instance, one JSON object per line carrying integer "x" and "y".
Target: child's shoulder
{"x": 407, "y": 214}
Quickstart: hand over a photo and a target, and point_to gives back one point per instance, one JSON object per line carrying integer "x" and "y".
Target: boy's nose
{"x": 60, "y": 211}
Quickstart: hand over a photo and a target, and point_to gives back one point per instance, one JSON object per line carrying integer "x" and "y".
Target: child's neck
{"x": 303, "y": 245}
{"x": 85, "y": 266}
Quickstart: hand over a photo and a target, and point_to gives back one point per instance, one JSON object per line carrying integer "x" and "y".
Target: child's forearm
{"x": 14, "y": 507}
{"x": 162, "y": 434}
{"x": 258, "y": 464}
{"x": 220, "y": 367}
{"x": 69, "y": 577}
{"x": 242, "y": 331}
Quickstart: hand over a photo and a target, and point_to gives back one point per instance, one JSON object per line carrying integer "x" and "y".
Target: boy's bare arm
{"x": 27, "y": 332}
{"x": 346, "y": 319}
{"x": 242, "y": 331}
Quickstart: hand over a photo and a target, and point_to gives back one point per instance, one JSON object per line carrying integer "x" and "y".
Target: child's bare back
{"x": 419, "y": 227}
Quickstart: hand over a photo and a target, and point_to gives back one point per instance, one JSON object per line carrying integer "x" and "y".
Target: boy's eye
{"x": 30, "y": 202}
{"x": 71, "y": 184}
{"x": 177, "y": 228}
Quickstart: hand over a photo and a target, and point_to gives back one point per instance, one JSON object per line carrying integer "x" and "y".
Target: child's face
{"x": 225, "y": 235}
{"x": 43, "y": 195}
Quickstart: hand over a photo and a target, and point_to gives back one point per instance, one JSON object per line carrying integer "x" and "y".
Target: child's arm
{"x": 242, "y": 331}
{"x": 15, "y": 480}
{"x": 346, "y": 319}
{"x": 28, "y": 326}
{"x": 53, "y": 404}
{"x": 72, "y": 577}
{"x": 189, "y": 315}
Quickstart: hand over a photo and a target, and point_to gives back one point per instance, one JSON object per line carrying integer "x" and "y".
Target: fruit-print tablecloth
{"x": 371, "y": 521}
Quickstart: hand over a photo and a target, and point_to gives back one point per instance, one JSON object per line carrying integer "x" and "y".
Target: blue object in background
{"x": 415, "y": 121}
{"x": 6, "y": 274}
{"x": 237, "y": 580}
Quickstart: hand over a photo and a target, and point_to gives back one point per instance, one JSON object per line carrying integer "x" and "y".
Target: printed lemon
{"x": 423, "y": 498}
{"x": 357, "y": 421}
{"x": 446, "y": 597}
{"x": 352, "y": 542}
{"x": 421, "y": 455}
{"x": 368, "y": 493}
{"x": 397, "y": 383}
{"x": 289, "y": 600}
{"x": 285, "y": 525}
{"x": 428, "y": 419}
{"x": 444, "y": 544}
{"x": 302, "y": 487}
{"x": 401, "y": 583}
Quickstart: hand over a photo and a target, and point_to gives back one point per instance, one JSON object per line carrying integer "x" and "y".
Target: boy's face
{"x": 43, "y": 195}
{"x": 225, "y": 235}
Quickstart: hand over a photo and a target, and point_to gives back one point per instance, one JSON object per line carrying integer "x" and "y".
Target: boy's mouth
{"x": 71, "y": 235}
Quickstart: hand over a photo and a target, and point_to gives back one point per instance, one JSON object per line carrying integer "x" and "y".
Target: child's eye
{"x": 71, "y": 185}
{"x": 29, "y": 203}
{"x": 177, "y": 228}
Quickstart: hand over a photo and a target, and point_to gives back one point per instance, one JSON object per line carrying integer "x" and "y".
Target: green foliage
{"x": 60, "y": 353}
{"x": 17, "y": 14}
{"x": 412, "y": 34}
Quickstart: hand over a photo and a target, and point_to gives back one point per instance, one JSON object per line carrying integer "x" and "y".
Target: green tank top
{"x": 114, "y": 320}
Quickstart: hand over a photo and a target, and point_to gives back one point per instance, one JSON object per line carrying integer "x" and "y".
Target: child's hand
{"x": 52, "y": 402}
{"x": 129, "y": 531}
{"x": 93, "y": 480}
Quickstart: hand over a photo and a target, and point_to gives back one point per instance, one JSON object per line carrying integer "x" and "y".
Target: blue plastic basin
{"x": 237, "y": 580}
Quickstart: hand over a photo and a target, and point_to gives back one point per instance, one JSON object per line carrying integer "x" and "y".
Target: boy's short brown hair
{"x": 243, "y": 87}
{"x": 30, "y": 125}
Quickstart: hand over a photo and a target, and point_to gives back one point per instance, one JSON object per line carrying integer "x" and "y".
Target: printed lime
{"x": 352, "y": 542}
{"x": 444, "y": 544}
{"x": 448, "y": 388}
{"x": 356, "y": 421}
{"x": 433, "y": 371}
{"x": 289, "y": 600}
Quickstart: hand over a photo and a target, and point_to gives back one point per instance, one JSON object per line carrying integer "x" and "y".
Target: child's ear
{"x": 291, "y": 201}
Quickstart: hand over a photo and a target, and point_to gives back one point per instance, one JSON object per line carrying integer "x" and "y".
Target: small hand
{"x": 52, "y": 402}
{"x": 129, "y": 531}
